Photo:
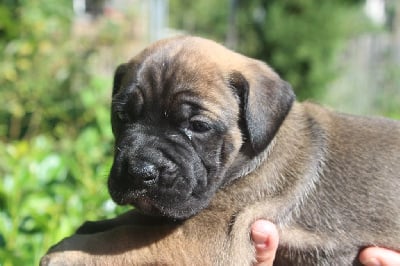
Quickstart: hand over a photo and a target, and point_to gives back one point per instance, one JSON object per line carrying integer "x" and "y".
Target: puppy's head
{"x": 185, "y": 112}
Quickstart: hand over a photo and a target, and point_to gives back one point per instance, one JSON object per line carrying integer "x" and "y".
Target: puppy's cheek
{"x": 227, "y": 153}
{"x": 222, "y": 159}
{"x": 188, "y": 196}
{"x": 192, "y": 176}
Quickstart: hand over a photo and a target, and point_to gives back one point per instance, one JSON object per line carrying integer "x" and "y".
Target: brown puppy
{"x": 208, "y": 141}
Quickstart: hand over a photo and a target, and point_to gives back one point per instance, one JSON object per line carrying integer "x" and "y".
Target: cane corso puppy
{"x": 208, "y": 140}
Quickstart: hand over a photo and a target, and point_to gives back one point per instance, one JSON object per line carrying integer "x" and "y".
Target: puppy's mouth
{"x": 146, "y": 205}
{"x": 161, "y": 187}
{"x": 151, "y": 201}
{"x": 138, "y": 199}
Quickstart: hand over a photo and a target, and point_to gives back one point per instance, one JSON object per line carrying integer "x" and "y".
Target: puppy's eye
{"x": 199, "y": 126}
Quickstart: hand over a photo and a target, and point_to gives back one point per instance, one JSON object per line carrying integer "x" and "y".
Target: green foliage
{"x": 299, "y": 38}
{"x": 42, "y": 60}
{"x": 208, "y": 18}
{"x": 48, "y": 190}
{"x": 388, "y": 100}
{"x": 55, "y": 135}
{"x": 50, "y": 185}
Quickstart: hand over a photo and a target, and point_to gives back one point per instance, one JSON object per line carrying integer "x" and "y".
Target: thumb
{"x": 379, "y": 256}
{"x": 265, "y": 238}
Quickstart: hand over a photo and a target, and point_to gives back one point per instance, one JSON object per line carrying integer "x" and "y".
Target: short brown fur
{"x": 329, "y": 181}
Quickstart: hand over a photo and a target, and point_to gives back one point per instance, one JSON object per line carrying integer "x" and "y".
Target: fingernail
{"x": 261, "y": 240}
{"x": 372, "y": 262}
{"x": 261, "y": 246}
{"x": 260, "y": 237}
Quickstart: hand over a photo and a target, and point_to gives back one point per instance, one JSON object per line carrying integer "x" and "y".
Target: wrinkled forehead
{"x": 172, "y": 69}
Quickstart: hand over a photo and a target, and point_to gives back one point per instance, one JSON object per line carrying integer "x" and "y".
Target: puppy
{"x": 208, "y": 140}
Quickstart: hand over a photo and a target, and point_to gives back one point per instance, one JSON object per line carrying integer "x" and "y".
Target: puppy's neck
{"x": 290, "y": 166}
{"x": 245, "y": 164}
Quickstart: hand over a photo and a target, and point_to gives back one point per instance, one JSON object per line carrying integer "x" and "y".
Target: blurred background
{"x": 57, "y": 63}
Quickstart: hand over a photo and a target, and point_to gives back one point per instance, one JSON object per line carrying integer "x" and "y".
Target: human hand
{"x": 265, "y": 238}
{"x": 376, "y": 256}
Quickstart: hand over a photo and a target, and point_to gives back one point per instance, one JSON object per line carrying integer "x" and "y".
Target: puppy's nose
{"x": 144, "y": 173}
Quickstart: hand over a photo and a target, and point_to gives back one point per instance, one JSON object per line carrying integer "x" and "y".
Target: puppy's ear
{"x": 118, "y": 77}
{"x": 265, "y": 100}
